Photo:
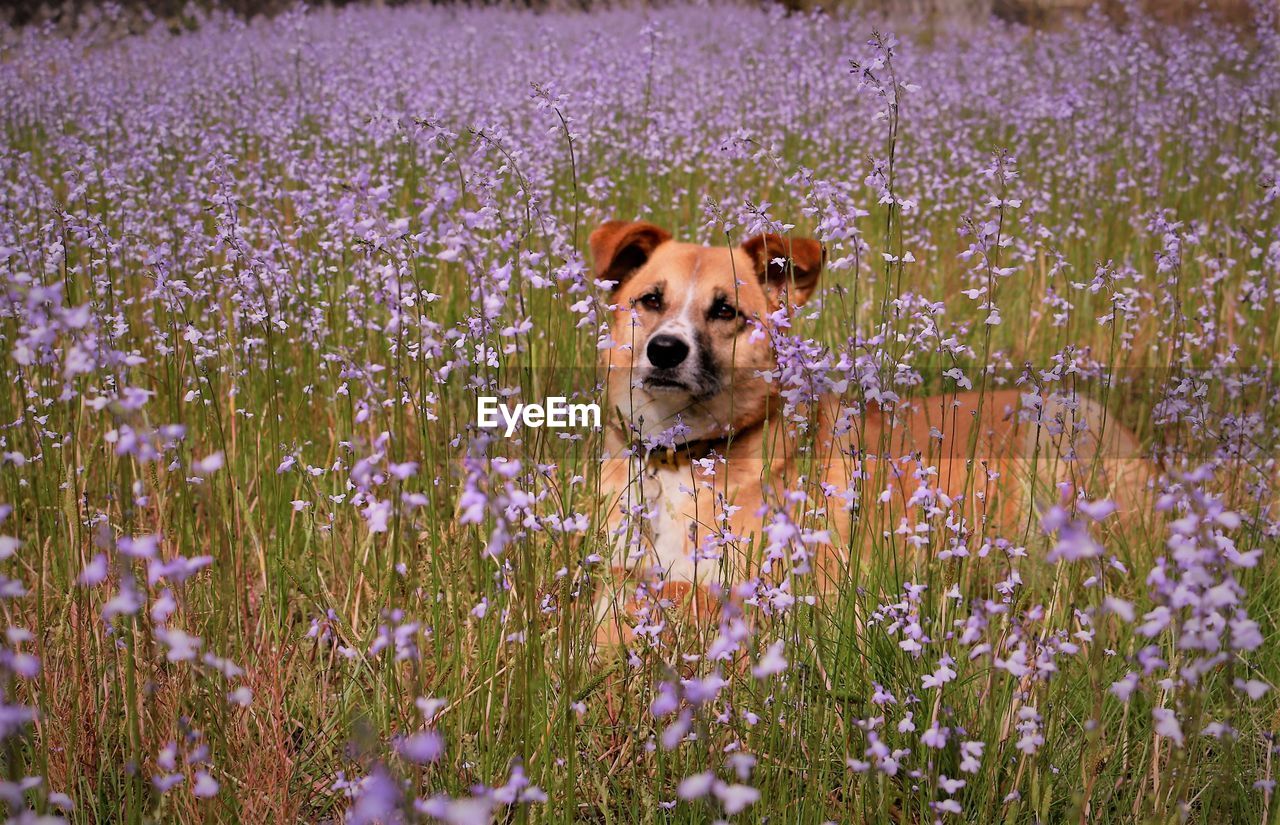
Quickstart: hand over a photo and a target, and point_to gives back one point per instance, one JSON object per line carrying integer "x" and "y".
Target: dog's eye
{"x": 720, "y": 311}
{"x": 652, "y": 301}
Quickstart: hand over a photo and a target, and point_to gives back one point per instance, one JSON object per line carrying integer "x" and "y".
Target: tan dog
{"x": 690, "y": 351}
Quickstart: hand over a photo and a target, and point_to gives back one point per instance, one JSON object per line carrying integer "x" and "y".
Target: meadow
{"x": 259, "y": 565}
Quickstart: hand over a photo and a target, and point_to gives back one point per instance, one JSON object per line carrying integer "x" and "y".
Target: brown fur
{"x": 1019, "y": 461}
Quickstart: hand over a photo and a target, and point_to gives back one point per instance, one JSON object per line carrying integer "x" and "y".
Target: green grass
{"x": 109, "y": 700}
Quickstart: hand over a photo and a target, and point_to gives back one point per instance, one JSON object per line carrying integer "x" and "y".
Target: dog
{"x": 699, "y": 447}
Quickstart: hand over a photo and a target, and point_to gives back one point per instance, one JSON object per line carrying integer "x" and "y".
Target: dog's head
{"x": 687, "y": 327}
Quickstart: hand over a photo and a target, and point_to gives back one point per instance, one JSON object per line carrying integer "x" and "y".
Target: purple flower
{"x": 208, "y": 465}
{"x": 735, "y": 798}
{"x": 1167, "y": 725}
{"x": 422, "y": 748}
{"x": 771, "y": 663}
{"x": 205, "y": 785}
{"x": 695, "y": 786}
{"x": 95, "y": 572}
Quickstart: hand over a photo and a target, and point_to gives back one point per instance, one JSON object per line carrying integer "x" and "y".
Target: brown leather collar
{"x": 685, "y": 453}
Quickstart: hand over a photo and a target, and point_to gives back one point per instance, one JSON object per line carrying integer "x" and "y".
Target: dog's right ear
{"x": 619, "y": 248}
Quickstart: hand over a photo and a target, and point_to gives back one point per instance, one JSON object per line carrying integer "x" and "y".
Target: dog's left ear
{"x": 790, "y": 265}
{"x": 619, "y": 248}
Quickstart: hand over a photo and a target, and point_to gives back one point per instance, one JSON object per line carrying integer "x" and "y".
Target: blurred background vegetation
{"x": 127, "y": 15}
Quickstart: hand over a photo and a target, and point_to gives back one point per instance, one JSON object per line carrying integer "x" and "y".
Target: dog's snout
{"x": 667, "y": 351}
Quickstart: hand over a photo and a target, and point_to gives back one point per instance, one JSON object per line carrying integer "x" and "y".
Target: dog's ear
{"x": 619, "y": 248}
{"x": 790, "y": 265}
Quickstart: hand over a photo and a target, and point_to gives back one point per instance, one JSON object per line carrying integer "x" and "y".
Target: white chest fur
{"x": 666, "y": 532}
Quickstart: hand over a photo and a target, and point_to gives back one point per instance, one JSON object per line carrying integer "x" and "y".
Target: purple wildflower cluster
{"x": 259, "y": 562}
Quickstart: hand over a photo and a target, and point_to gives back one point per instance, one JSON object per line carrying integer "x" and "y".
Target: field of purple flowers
{"x": 258, "y": 565}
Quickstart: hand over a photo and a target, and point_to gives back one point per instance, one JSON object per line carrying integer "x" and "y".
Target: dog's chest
{"x": 669, "y": 525}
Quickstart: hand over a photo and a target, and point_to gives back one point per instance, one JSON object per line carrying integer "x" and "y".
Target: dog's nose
{"x": 667, "y": 351}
